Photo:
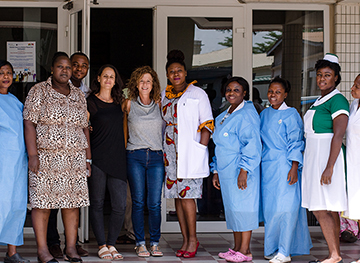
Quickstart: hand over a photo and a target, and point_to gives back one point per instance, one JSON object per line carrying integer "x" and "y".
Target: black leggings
{"x": 98, "y": 182}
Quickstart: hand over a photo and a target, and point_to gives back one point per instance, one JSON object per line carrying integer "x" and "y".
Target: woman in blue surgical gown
{"x": 236, "y": 167}
{"x": 286, "y": 230}
{"x": 13, "y": 168}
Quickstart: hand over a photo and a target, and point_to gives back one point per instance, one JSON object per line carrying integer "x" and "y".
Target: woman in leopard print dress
{"x": 56, "y": 137}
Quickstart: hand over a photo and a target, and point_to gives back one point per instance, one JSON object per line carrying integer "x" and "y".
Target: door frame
{"x": 240, "y": 47}
{"x": 240, "y": 43}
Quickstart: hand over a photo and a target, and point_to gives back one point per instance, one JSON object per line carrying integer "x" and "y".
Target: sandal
{"x": 104, "y": 252}
{"x": 115, "y": 254}
{"x": 155, "y": 251}
{"x": 16, "y": 258}
{"x": 142, "y": 251}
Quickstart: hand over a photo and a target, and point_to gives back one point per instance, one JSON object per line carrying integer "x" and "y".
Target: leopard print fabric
{"x": 61, "y": 181}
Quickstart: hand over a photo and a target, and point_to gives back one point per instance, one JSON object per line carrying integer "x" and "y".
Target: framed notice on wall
{"x": 22, "y": 55}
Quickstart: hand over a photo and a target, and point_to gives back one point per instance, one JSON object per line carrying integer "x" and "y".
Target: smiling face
{"x": 176, "y": 73}
{"x": 61, "y": 70}
{"x": 325, "y": 80}
{"x": 6, "y": 78}
{"x": 355, "y": 89}
{"x": 107, "y": 78}
{"x": 80, "y": 67}
{"x": 234, "y": 93}
{"x": 145, "y": 84}
{"x": 276, "y": 95}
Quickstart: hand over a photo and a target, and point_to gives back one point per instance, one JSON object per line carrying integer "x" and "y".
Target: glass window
{"x": 287, "y": 44}
{"x": 37, "y": 25}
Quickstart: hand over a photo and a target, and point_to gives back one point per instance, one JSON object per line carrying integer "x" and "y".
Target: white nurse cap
{"x": 332, "y": 58}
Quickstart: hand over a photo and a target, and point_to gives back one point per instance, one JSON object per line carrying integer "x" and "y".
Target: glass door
{"x": 74, "y": 25}
{"x": 211, "y": 38}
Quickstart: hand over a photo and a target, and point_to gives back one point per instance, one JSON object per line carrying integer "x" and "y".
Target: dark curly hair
{"x": 320, "y": 64}
{"x": 134, "y": 81}
{"x": 242, "y": 82}
{"x": 283, "y": 82}
{"x": 116, "y": 92}
{"x": 175, "y": 56}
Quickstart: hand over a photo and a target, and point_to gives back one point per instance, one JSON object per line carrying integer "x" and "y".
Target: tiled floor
{"x": 210, "y": 246}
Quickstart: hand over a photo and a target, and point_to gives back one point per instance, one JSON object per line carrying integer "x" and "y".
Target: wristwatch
{"x": 89, "y": 161}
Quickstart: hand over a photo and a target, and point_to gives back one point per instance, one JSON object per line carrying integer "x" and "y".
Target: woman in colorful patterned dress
{"x": 57, "y": 139}
{"x": 189, "y": 122}
{"x": 13, "y": 168}
{"x": 323, "y": 178}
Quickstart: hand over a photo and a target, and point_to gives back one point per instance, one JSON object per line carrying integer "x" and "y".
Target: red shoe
{"x": 180, "y": 253}
{"x": 188, "y": 254}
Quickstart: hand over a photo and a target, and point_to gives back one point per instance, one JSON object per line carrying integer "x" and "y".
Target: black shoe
{"x": 55, "y": 251}
{"x": 53, "y": 260}
{"x": 16, "y": 258}
{"x": 348, "y": 236}
{"x": 81, "y": 252}
{"x": 72, "y": 260}
{"x": 124, "y": 239}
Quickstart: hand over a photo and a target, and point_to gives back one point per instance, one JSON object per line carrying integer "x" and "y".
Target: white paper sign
{"x": 22, "y": 55}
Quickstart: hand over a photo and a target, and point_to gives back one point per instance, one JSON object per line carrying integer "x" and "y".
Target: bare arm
{"x": 205, "y": 136}
{"x": 30, "y": 141}
{"x": 339, "y": 126}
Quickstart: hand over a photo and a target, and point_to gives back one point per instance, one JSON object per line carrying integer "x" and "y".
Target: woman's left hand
{"x": 292, "y": 176}
{"x": 242, "y": 179}
{"x": 88, "y": 168}
{"x": 326, "y": 176}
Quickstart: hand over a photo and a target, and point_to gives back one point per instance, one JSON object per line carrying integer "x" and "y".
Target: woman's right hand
{"x": 215, "y": 181}
{"x": 326, "y": 176}
{"x": 34, "y": 163}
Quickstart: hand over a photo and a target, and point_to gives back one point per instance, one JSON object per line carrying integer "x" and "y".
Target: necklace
{"x": 105, "y": 100}
{"x": 223, "y": 119}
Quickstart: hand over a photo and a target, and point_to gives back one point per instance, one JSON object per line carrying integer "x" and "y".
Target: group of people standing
{"x": 83, "y": 142}
{"x": 267, "y": 172}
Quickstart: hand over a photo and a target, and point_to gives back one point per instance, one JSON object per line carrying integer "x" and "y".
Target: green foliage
{"x": 227, "y": 42}
{"x": 264, "y": 47}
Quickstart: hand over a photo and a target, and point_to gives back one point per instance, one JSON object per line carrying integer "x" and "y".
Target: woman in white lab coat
{"x": 353, "y": 154}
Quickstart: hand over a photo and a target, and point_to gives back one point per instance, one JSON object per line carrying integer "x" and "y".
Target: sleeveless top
{"x": 145, "y": 126}
{"x": 107, "y": 137}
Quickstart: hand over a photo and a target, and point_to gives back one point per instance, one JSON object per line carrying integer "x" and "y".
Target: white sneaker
{"x": 270, "y": 256}
{"x": 280, "y": 258}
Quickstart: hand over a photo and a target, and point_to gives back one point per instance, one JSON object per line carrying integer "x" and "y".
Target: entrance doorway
{"x": 122, "y": 37}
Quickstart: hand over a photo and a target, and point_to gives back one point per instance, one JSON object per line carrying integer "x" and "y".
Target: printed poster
{"x": 22, "y": 55}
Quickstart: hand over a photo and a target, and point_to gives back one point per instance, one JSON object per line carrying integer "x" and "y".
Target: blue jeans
{"x": 146, "y": 171}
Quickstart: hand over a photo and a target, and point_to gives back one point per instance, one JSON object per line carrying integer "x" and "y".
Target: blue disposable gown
{"x": 238, "y": 145}
{"x": 286, "y": 229}
{"x": 13, "y": 171}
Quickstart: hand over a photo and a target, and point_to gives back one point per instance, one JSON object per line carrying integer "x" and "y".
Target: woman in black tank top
{"x": 108, "y": 158}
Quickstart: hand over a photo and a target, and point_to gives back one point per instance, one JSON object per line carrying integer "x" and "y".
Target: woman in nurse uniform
{"x": 323, "y": 185}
